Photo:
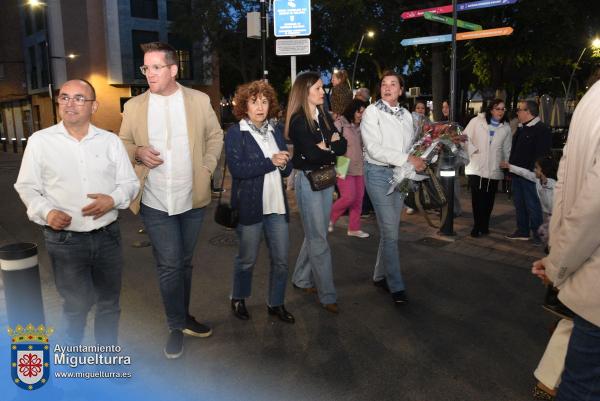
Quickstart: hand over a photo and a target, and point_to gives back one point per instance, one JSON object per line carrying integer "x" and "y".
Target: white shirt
{"x": 387, "y": 139}
{"x": 169, "y": 186}
{"x": 273, "y": 201}
{"x": 58, "y": 172}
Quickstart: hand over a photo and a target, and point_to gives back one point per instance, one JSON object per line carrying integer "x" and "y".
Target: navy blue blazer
{"x": 248, "y": 166}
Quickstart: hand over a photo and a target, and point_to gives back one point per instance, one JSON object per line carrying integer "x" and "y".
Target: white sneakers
{"x": 410, "y": 210}
{"x": 330, "y": 228}
{"x": 358, "y": 234}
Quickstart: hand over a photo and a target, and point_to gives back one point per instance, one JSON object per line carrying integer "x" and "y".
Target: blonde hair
{"x": 298, "y": 100}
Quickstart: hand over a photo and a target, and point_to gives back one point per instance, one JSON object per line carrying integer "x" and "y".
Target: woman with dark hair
{"x": 352, "y": 186}
{"x": 316, "y": 145}
{"x": 388, "y": 133}
{"x": 257, "y": 158}
{"x": 489, "y": 143}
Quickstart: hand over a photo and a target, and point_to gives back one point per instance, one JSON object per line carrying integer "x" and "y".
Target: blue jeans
{"x": 527, "y": 206}
{"x": 313, "y": 266}
{"x": 387, "y": 210}
{"x": 87, "y": 270}
{"x": 173, "y": 241}
{"x": 275, "y": 229}
{"x": 581, "y": 377}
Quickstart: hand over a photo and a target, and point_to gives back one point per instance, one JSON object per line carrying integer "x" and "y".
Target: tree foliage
{"x": 548, "y": 37}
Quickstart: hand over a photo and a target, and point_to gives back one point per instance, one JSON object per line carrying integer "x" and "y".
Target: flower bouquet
{"x": 431, "y": 139}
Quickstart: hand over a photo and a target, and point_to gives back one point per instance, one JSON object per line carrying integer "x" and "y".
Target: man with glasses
{"x": 72, "y": 179}
{"x": 172, "y": 134}
{"x": 532, "y": 140}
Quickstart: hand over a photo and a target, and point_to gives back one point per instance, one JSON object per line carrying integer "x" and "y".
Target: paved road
{"x": 473, "y": 330}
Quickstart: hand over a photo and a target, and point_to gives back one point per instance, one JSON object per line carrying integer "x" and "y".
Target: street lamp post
{"x": 595, "y": 44}
{"x": 369, "y": 34}
{"x": 35, "y": 4}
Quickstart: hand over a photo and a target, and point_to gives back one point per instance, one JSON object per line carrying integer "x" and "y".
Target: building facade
{"x": 97, "y": 40}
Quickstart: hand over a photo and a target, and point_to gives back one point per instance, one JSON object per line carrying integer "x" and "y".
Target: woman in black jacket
{"x": 257, "y": 158}
{"x": 316, "y": 145}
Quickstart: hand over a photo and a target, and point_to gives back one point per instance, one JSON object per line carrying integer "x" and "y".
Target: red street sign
{"x": 420, "y": 13}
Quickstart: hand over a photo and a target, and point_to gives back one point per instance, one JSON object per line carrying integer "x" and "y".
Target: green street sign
{"x": 450, "y": 21}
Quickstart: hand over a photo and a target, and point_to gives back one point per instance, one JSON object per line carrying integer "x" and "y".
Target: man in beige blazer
{"x": 174, "y": 138}
{"x": 573, "y": 264}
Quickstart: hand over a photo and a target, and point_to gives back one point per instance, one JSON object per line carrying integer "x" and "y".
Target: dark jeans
{"x": 87, "y": 270}
{"x": 173, "y": 242}
{"x": 483, "y": 195}
{"x": 527, "y": 206}
{"x": 581, "y": 377}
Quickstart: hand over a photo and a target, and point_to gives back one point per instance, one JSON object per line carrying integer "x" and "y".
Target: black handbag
{"x": 225, "y": 215}
{"x": 322, "y": 178}
{"x": 429, "y": 195}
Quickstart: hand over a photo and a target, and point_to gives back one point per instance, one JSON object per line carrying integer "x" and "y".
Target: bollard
{"x": 4, "y": 145}
{"x": 447, "y": 177}
{"x": 22, "y": 287}
{"x": 23, "y": 143}
{"x": 14, "y": 143}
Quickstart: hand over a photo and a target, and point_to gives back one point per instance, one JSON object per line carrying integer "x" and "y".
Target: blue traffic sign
{"x": 473, "y": 5}
{"x": 291, "y": 18}
{"x": 423, "y": 40}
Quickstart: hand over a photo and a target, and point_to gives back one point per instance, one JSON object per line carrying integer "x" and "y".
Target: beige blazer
{"x": 205, "y": 140}
{"x": 574, "y": 260}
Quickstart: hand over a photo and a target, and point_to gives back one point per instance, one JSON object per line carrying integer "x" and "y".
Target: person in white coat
{"x": 573, "y": 264}
{"x": 489, "y": 143}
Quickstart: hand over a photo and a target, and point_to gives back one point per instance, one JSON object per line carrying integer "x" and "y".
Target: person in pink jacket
{"x": 352, "y": 186}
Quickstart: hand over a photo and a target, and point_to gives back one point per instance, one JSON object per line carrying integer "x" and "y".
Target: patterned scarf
{"x": 263, "y": 131}
{"x": 399, "y": 114}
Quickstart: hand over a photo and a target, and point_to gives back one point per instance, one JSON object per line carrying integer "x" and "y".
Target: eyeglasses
{"x": 78, "y": 100}
{"x": 155, "y": 68}
{"x": 500, "y": 108}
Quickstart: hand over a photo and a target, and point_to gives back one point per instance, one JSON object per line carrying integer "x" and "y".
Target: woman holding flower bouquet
{"x": 316, "y": 145}
{"x": 388, "y": 134}
{"x": 489, "y": 143}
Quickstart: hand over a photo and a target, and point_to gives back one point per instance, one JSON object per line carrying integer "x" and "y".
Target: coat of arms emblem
{"x": 30, "y": 355}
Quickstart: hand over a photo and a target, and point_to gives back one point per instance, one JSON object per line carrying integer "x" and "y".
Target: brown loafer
{"x": 308, "y": 290}
{"x": 333, "y": 308}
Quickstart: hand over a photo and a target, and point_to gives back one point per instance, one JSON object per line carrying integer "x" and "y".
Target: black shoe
{"x": 381, "y": 284}
{"x": 193, "y": 328}
{"x": 281, "y": 313}
{"x": 399, "y": 297}
{"x": 238, "y": 306}
{"x": 517, "y": 236}
{"x": 174, "y": 347}
{"x": 475, "y": 233}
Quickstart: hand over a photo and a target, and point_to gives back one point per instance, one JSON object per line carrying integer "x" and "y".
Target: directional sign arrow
{"x": 486, "y": 33}
{"x": 473, "y": 5}
{"x": 450, "y": 21}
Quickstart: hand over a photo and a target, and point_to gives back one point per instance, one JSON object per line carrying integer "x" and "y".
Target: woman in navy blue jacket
{"x": 257, "y": 158}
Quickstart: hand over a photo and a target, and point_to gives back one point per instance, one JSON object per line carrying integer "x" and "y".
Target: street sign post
{"x": 291, "y": 18}
{"x": 485, "y": 33}
{"x": 292, "y": 47}
{"x": 472, "y": 5}
{"x": 449, "y": 21}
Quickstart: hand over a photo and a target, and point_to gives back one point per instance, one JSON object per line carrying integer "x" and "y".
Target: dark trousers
{"x": 581, "y": 377}
{"x": 527, "y": 206}
{"x": 173, "y": 242}
{"x": 87, "y": 270}
{"x": 483, "y": 195}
